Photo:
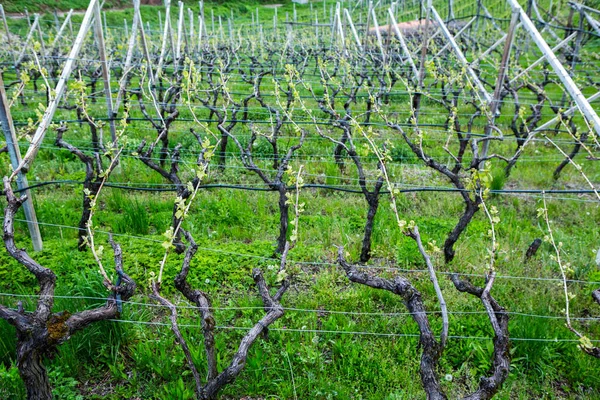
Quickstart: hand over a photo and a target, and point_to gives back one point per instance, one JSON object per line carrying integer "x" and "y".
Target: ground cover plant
{"x": 302, "y": 201}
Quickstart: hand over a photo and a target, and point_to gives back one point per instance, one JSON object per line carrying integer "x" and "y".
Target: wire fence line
{"x": 307, "y": 121}
{"x": 324, "y": 263}
{"x": 407, "y": 187}
{"x": 336, "y": 332}
{"x": 312, "y": 157}
{"x": 525, "y": 99}
{"x": 249, "y": 186}
{"x": 186, "y": 306}
{"x": 263, "y": 187}
{"x": 191, "y": 150}
{"x": 360, "y": 333}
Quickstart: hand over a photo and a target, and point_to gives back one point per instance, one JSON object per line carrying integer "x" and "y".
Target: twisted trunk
{"x": 470, "y": 210}
{"x": 284, "y": 209}
{"x": 31, "y": 366}
{"x": 570, "y": 157}
{"x": 365, "y": 254}
{"x": 402, "y": 287}
{"x": 223, "y": 151}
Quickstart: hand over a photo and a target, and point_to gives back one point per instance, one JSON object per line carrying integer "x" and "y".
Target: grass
{"x": 326, "y": 365}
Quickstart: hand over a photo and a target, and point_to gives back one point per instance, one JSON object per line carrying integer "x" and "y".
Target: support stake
{"x": 15, "y": 159}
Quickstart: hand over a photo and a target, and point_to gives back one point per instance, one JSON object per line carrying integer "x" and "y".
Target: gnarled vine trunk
{"x": 30, "y": 363}
{"x": 470, "y": 210}
{"x": 365, "y": 253}
{"x": 40, "y": 332}
{"x": 284, "y": 211}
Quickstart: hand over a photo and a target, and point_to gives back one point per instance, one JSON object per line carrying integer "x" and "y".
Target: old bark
{"x": 41, "y": 331}
{"x": 216, "y": 380}
{"x": 490, "y": 385}
{"x": 30, "y": 364}
{"x": 284, "y": 210}
{"x": 373, "y": 201}
{"x": 471, "y": 208}
{"x": 432, "y": 349}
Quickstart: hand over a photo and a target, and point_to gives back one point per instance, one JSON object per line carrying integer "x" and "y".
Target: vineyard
{"x": 311, "y": 200}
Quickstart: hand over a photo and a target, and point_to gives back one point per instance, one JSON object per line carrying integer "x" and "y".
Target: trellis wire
{"x": 309, "y": 263}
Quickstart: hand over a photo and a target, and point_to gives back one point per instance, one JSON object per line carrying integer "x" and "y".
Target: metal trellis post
{"x": 15, "y": 159}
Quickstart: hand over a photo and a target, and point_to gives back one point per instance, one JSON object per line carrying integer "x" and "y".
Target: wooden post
{"x": 354, "y": 33}
{"x": 366, "y": 39}
{"x": 257, "y": 19}
{"x": 205, "y": 33}
{"x": 191, "y": 33}
{"x": 333, "y": 29}
{"x": 221, "y": 33}
{"x": 461, "y": 57}
{"x": 104, "y": 19}
{"x": 405, "y": 49}
{"x": 170, "y": 32}
{"x": 105, "y": 72}
{"x": 179, "y": 32}
{"x": 129, "y": 56}
{"x": 578, "y": 40}
{"x": 163, "y": 47}
{"x": 460, "y": 32}
{"x": 275, "y": 25}
{"x": 416, "y": 106}
{"x": 8, "y": 40}
{"x": 40, "y": 132}
{"x": 338, "y": 17}
{"x": 32, "y": 29}
{"x": 543, "y": 57}
{"x": 200, "y": 28}
{"x": 585, "y": 107}
{"x": 495, "y": 103}
{"x": 56, "y": 23}
{"x": 43, "y": 46}
{"x": 15, "y": 159}
{"x": 378, "y": 34}
{"x": 136, "y": 6}
{"x": 388, "y": 38}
